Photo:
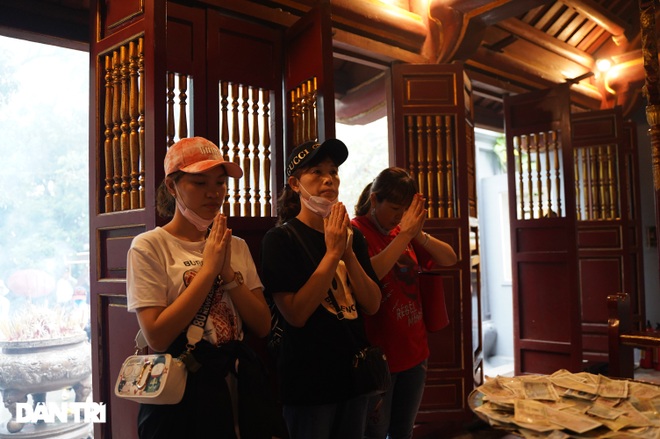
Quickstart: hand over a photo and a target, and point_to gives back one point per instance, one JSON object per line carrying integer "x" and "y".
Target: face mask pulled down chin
{"x": 200, "y": 223}
{"x": 319, "y": 205}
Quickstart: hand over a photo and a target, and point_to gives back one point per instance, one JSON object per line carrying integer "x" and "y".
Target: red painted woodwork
{"x": 546, "y": 302}
{"x": 256, "y": 54}
{"x": 565, "y": 266}
{"x": 455, "y": 363}
{"x": 308, "y": 54}
{"x": 208, "y": 47}
{"x": 607, "y": 249}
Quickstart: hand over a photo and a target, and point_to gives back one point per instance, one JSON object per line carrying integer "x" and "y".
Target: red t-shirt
{"x": 398, "y": 326}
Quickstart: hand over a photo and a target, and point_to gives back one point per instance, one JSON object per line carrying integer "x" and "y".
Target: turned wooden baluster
{"x": 107, "y": 144}
{"x": 449, "y": 166}
{"x": 441, "y": 158}
{"x": 183, "y": 103}
{"x": 410, "y": 134}
{"x": 304, "y": 112}
{"x": 613, "y": 185}
{"x": 267, "y": 164}
{"x": 556, "y": 146}
{"x": 419, "y": 124}
{"x": 539, "y": 181}
{"x": 141, "y": 98}
{"x": 593, "y": 184}
{"x": 313, "y": 131}
{"x": 517, "y": 145}
{"x": 224, "y": 124}
{"x": 435, "y": 173}
{"x": 125, "y": 131}
{"x": 171, "y": 131}
{"x": 428, "y": 165}
{"x": 256, "y": 164}
{"x": 604, "y": 191}
{"x": 235, "y": 139}
{"x": 224, "y": 130}
{"x": 134, "y": 125}
{"x": 530, "y": 183}
{"x": 116, "y": 133}
{"x": 548, "y": 180}
{"x": 295, "y": 117}
{"x": 245, "y": 140}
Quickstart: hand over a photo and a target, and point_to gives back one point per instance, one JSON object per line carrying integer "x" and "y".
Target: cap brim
{"x": 333, "y": 148}
{"x": 231, "y": 168}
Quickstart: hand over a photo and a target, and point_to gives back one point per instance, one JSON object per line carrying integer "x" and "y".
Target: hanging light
{"x": 603, "y": 64}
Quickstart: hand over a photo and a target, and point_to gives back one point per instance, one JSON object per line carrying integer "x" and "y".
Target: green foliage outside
{"x": 44, "y": 148}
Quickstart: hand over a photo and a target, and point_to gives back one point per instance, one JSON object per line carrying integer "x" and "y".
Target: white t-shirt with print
{"x": 160, "y": 266}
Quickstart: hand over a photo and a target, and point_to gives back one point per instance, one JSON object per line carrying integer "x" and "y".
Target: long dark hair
{"x": 392, "y": 184}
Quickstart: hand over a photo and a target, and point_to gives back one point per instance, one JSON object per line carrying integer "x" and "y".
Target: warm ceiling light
{"x": 603, "y": 64}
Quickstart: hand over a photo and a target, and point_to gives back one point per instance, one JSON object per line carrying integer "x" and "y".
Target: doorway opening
{"x": 496, "y": 282}
{"x": 44, "y": 225}
{"x": 361, "y": 122}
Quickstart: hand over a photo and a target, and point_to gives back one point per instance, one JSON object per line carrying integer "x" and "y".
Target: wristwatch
{"x": 238, "y": 281}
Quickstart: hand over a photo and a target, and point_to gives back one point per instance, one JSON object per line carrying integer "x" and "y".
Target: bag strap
{"x": 294, "y": 233}
{"x": 195, "y": 330}
{"x": 291, "y": 230}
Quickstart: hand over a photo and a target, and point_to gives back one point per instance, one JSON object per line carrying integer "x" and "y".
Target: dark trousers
{"x": 206, "y": 408}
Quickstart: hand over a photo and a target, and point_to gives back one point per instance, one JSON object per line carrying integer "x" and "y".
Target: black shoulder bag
{"x": 370, "y": 372}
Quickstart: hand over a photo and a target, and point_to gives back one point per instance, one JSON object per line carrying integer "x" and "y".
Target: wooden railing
{"x": 540, "y": 179}
{"x": 538, "y": 175}
{"x": 596, "y": 183}
{"x": 123, "y": 117}
{"x": 432, "y": 148}
{"x": 304, "y": 118}
{"x": 244, "y": 136}
{"x": 245, "y": 139}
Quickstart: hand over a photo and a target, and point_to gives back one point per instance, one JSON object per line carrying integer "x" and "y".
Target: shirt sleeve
{"x": 146, "y": 276}
{"x": 282, "y": 267}
{"x": 361, "y": 250}
{"x": 245, "y": 263}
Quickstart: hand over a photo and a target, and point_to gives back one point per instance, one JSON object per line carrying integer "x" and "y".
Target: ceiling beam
{"x": 530, "y": 33}
{"x": 600, "y": 16}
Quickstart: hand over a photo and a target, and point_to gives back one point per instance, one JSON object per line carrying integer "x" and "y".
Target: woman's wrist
{"x": 423, "y": 238}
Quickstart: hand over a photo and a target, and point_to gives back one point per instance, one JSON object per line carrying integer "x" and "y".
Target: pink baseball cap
{"x": 197, "y": 154}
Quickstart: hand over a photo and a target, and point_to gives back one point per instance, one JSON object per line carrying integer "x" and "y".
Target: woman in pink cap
{"x": 170, "y": 273}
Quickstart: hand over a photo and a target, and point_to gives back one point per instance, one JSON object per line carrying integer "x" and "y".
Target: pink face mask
{"x": 319, "y": 205}
{"x": 200, "y": 223}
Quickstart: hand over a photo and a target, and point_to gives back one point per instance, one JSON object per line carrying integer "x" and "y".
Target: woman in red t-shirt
{"x": 391, "y": 214}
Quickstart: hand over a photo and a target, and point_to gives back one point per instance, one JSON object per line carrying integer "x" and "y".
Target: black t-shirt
{"x": 314, "y": 361}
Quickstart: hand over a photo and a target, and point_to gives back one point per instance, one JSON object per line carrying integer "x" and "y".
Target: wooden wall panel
{"x": 432, "y": 119}
{"x": 543, "y": 300}
{"x": 113, "y": 246}
{"x": 544, "y": 362}
{"x": 118, "y": 14}
{"x": 116, "y": 333}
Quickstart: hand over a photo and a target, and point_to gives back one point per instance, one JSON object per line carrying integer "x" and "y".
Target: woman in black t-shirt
{"x": 311, "y": 257}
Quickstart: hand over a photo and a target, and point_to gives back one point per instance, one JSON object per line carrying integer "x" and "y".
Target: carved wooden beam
{"x": 530, "y": 33}
{"x": 600, "y": 16}
{"x": 461, "y": 24}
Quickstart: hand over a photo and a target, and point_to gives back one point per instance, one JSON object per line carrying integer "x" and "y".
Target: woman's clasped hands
{"x": 217, "y": 250}
{"x": 413, "y": 219}
{"x": 338, "y": 232}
